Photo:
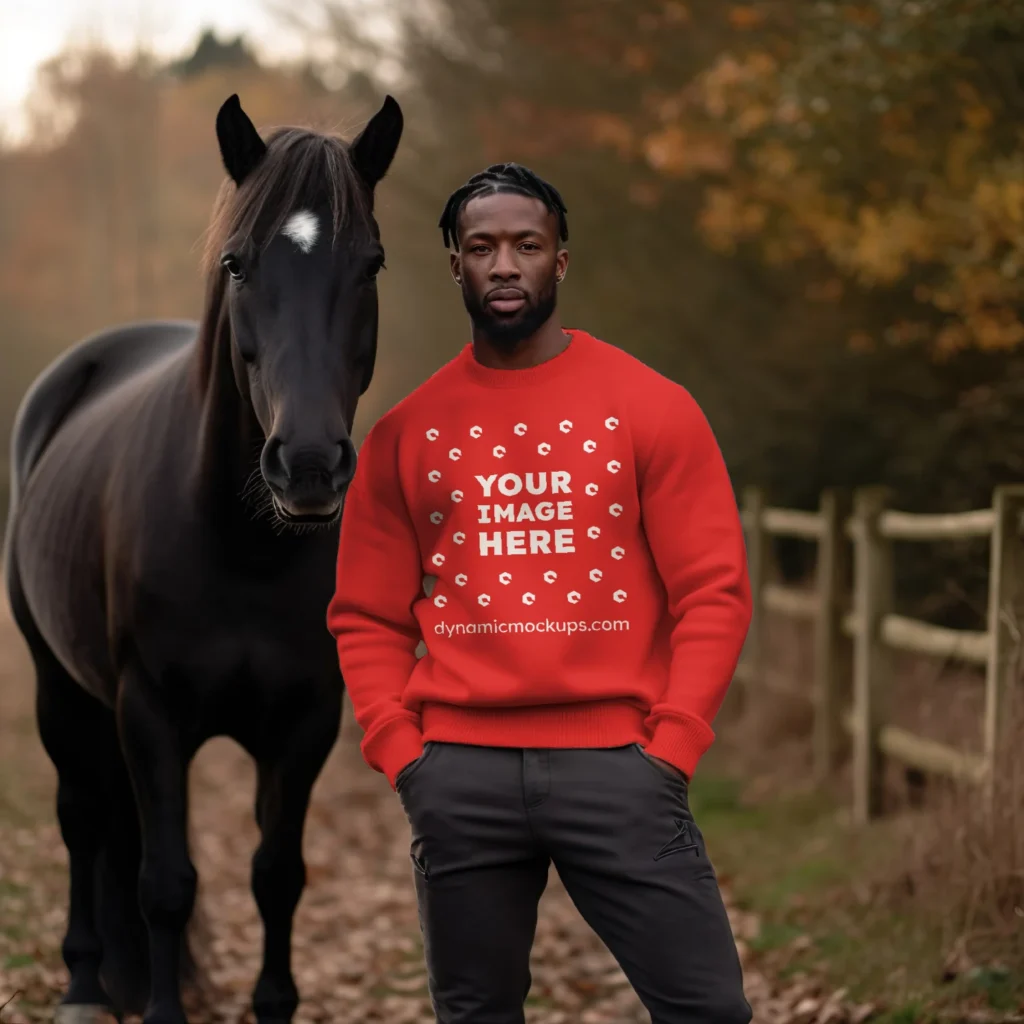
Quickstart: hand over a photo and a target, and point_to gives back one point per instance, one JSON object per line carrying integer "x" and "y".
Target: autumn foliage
{"x": 880, "y": 139}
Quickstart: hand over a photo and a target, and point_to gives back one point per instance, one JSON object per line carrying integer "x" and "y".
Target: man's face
{"x": 508, "y": 265}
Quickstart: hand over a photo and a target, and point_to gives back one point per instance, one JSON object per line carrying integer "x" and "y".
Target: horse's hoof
{"x": 84, "y": 1013}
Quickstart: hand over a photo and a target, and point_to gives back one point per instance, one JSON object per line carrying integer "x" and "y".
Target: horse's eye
{"x": 375, "y": 267}
{"x": 231, "y": 264}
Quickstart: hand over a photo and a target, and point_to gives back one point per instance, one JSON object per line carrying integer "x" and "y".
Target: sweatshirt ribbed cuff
{"x": 391, "y": 748}
{"x": 681, "y": 741}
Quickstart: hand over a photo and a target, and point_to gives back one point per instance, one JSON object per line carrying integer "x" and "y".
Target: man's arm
{"x": 694, "y": 531}
{"x": 378, "y": 578}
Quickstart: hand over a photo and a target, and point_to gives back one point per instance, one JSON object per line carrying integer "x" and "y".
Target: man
{"x": 589, "y": 604}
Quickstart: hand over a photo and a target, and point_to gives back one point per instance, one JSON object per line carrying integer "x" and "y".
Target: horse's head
{"x": 299, "y": 251}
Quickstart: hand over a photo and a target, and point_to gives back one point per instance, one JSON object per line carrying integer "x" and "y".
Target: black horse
{"x": 170, "y": 555}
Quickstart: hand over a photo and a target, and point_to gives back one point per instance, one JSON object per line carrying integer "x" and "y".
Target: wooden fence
{"x": 853, "y": 598}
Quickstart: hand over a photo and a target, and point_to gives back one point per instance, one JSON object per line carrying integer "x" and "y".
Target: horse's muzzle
{"x": 308, "y": 485}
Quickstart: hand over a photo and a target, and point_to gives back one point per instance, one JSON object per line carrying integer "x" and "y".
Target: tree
{"x": 210, "y": 52}
{"x": 879, "y": 138}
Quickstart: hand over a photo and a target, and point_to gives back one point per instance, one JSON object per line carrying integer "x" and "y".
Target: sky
{"x": 32, "y": 31}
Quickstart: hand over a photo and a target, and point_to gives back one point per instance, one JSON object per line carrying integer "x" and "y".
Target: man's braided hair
{"x": 501, "y": 178}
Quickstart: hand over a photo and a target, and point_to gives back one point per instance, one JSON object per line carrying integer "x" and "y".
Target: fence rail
{"x": 852, "y": 600}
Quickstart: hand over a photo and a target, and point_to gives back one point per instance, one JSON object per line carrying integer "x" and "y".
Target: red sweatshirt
{"x": 590, "y": 587}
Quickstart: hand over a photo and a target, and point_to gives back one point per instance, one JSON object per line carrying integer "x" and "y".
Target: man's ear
{"x": 456, "y": 267}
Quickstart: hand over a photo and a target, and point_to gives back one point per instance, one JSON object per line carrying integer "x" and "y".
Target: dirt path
{"x": 357, "y": 951}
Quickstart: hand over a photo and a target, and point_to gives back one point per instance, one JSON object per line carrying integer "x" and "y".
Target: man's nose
{"x": 505, "y": 265}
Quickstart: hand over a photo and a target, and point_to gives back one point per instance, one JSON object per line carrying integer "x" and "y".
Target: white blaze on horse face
{"x": 303, "y": 229}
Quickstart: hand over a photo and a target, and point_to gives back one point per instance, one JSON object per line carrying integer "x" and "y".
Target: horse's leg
{"x": 80, "y": 737}
{"x": 158, "y": 761}
{"x": 287, "y": 770}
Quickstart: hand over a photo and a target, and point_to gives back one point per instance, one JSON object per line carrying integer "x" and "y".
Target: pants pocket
{"x": 413, "y": 767}
{"x": 660, "y": 770}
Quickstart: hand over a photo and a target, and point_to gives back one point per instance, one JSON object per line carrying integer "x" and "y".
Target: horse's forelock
{"x": 302, "y": 168}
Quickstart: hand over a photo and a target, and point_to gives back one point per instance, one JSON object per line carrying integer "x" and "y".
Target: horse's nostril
{"x": 273, "y": 465}
{"x": 345, "y": 465}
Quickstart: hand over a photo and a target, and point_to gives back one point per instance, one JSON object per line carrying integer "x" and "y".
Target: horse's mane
{"x": 301, "y": 168}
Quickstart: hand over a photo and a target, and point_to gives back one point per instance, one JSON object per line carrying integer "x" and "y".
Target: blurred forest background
{"x": 810, "y": 214}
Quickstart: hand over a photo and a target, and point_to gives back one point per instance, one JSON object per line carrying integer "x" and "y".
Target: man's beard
{"x": 507, "y": 332}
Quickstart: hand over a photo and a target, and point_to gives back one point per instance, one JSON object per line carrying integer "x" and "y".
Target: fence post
{"x": 831, "y": 668}
{"x": 872, "y": 602}
{"x": 1005, "y": 621}
{"x": 757, "y": 560}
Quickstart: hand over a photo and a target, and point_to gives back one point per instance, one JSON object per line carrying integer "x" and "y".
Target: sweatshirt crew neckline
{"x": 570, "y": 359}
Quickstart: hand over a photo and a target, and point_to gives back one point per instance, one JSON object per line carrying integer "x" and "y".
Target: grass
{"x": 797, "y": 863}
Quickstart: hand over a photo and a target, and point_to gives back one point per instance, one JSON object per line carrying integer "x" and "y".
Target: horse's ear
{"x": 241, "y": 147}
{"x": 374, "y": 148}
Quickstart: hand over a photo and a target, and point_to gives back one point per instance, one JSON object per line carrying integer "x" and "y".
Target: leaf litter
{"x": 357, "y": 955}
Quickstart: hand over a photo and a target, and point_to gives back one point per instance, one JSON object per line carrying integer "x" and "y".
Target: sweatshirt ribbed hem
{"x": 682, "y": 741}
{"x": 587, "y": 724}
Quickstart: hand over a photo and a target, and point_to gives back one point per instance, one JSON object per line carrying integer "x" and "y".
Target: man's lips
{"x": 506, "y": 300}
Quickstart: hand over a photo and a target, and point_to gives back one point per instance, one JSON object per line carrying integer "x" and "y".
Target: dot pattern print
{"x": 458, "y": 459}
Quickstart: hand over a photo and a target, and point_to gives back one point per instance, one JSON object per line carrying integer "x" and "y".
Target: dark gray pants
{"x": 486, "y": 824}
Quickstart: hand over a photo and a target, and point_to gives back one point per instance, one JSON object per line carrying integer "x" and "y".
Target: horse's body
{"x": 162, "y": 607}
{"x": 118, "y": 564}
